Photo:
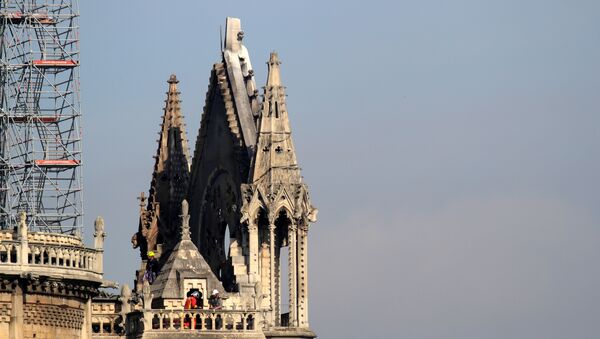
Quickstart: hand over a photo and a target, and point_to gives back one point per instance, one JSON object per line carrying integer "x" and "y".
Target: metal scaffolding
{"x": 40, "y": 136}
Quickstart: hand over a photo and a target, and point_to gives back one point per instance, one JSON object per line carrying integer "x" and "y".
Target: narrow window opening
{"x": 227, "y": 242}
{"x": 284, "y": 285}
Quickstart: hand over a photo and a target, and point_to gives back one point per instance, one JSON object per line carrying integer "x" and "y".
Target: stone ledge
{"x": 289, "y": 333}
{"x": 202, "y": 335}
{"x": 44, "y": 238}
{"x": 71, "y": 273}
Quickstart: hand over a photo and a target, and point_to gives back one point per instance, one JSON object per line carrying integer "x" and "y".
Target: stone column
{"x": 293, "y": 276}
{"x": 253, "y": 247}
{"x": 147, "y": 298}
{"x": 86, "y": 327}
{"x": 265, "y": 276}
{"x": 274, "y": 287}
{"x": 16, "y": 317}
{"x": 303, "y": 276}
{"x": 23, "y": 255}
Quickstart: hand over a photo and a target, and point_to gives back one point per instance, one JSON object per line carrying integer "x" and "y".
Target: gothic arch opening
{"x": 282, "y": 272}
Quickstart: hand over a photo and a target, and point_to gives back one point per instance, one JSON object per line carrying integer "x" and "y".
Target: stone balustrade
{"x": 54, "y": 238}
{"x": 180, "y": 320}
{"x": 49, "y": 254}
{"x": 107, "y": 325}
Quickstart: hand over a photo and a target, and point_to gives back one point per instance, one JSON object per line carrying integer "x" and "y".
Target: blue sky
{"x": 450, "y": 146}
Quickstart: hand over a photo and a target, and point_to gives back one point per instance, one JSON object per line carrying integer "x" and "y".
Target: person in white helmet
{"x": 214, "y": 301}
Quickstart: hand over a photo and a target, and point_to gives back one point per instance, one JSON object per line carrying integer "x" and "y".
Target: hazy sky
{"x": 450, "y": 146}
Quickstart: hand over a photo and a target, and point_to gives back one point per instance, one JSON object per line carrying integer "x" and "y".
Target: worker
{"x": 214, "y": 301}
{"x": 151, "y": 268}
{"x": 190, "y": 303}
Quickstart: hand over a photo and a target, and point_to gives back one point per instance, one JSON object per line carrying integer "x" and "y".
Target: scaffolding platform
{"x": 57, "y": 163}
{"x": 17, "y": 18}
{"x": 55, "y": 63}
{"x": 33, "y": 118}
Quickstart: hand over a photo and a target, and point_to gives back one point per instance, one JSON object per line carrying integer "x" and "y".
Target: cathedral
{"x": 231, "y": 220}
{"x": 222, "y": 218}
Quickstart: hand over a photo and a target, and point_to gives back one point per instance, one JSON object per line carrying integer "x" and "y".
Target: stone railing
{"x": 107, "y": 325}
{"x": 47, "y": 254}
{"x": 179, "y": 320}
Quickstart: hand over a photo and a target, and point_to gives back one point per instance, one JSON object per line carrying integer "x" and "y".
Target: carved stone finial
{"x": 125, "y": 298}
{"x": 173, "y": 79}
{"x": 99, "y": 226}
{"x": 22, "y": 217}
{"x": 185, "y": 221}
{"x": 185, "y": 207}
{"x": 273, "y": 77}
{"x": 22, "y": 225}
{"x": 125, "y": 291}
{"x": 99, "y": 233}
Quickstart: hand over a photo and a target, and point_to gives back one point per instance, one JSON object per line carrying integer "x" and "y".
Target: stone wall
{"x": 53, "y": 318}
{"x": 106, "y": 318}
{"x": 5, "y": 312}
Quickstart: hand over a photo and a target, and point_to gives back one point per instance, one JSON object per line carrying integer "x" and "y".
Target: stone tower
{"x": 276, "y": 206}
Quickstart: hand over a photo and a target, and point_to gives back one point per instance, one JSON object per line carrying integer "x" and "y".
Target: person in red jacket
{"x": 191, "y": 303}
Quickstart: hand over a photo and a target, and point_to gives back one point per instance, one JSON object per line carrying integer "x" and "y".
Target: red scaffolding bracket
{"x": 14, "y": 17}
{"x": 35, "y": 118}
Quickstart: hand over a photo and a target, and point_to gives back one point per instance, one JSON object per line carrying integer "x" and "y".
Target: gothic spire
{"x": 172, "y": 122}
{"x": 275, "y": 159}
{"x": 159, "y": 224}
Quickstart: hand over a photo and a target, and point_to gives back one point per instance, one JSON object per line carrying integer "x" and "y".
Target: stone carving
{"x": 99, "y": 233}
{"x": 185, "y": 221}
{"x": 125, "y": 299}
{"x": 22, "y": 225}
{"x": 146, "y": 295}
